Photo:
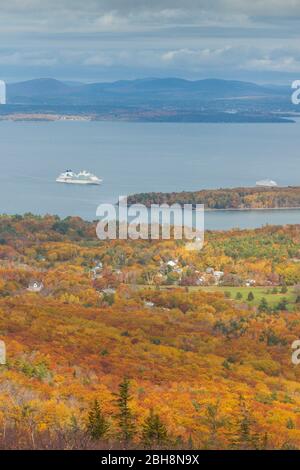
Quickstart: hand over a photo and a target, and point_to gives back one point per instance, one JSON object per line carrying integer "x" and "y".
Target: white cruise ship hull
{"x": 70, "y": 181}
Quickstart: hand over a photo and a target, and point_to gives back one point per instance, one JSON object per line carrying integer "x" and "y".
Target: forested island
{"x": 227, "y": 199}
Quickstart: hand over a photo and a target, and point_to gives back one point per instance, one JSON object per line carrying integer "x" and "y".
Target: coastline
{"x": 154, "y": 116}
{"x": 241, "y": 199}
{"x": 254, "y": 209}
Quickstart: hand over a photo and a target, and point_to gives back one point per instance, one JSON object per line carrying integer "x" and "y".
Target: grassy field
{"x": 273, "y": 298}
{"x": 258, "y": 292}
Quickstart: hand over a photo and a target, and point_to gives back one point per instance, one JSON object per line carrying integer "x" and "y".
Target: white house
{"x": 218, "y": 274}
{"x": 172, "y": 263}
{"x": 35, "y": 286}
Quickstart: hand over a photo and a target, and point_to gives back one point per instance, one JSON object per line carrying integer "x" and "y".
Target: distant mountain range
{"x": 152, "y": 92}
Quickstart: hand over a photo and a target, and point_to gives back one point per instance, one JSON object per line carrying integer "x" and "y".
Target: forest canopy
{"x": 109, "y": 345}
{"x": 235, "y": 198}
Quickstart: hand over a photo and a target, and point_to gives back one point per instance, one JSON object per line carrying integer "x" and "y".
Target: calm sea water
{"x": 138, "y": 157}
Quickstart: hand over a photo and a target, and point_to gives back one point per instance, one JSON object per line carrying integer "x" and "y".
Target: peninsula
{"x": 252, "y": 198}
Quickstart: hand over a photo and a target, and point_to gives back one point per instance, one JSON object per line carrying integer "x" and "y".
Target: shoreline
{"x": 140, "y": 116}
{"x": 253, "y": 209}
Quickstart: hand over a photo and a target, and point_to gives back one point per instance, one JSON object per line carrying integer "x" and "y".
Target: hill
{"x": 171, "y": 91}
{"x": 197, "y": 358}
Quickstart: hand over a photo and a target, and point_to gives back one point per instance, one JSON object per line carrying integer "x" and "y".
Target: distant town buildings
{"x": 2, "y": 92}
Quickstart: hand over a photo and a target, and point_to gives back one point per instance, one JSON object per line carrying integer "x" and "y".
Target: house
{"x": 95, "y": 274}
{"x": 200, "y": 281}
{"x": 250, "y": 283}
{"x": 218, "y": 274}
{"x": 209, "y": 270}
{"x": 98, "y": 264}
{"x": 149, "y": 304}
{"x": 96, "y": 271}
{"x": 172, "y": 263}
{"x": 35, "y": 286}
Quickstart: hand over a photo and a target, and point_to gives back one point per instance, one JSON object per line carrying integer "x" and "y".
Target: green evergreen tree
{"x": 250, "y": 297}
{"x": 97, "y": 424}
{"x": 265, "y": 441}
{"x": 284, "y": 289}
{"x": 290, "y": 424}
{"x": 125, "y": 417}
{"x": 190, "y": 442}
{"x": 246, "y": 438}
{"x": 263, "y": 306}
{"x": 282, "y": 305}
{"x": 154, "y": 431}
{"x": 214, "y": 421}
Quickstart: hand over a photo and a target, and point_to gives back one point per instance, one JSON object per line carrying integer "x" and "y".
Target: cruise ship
{"x": 83, "y": 177}
{"x": 267, "y": 183}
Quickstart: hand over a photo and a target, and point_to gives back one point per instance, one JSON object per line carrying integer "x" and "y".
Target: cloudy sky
{"x": 101, "y": 40}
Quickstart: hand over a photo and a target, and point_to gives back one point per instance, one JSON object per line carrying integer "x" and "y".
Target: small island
{"x": 252, "y": 198}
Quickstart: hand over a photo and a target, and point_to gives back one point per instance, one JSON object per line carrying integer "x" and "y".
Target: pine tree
{"x": 97, "y": 424}
{"x": 125, "y": 416}
{"x": 284, "y": 289}
{"x": 190, "y": 442}
{"x": 215, "y": 421}
{"x": 283, "y": 304}
{"x": 250, "y": 296}
{"x": 263, "y": 306}
{"x": 154, "y": 431}
{"x": 265, "y": 441}
{"x": 246, "y": 438}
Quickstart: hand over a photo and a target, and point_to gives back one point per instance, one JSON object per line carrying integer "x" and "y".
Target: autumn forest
{"x": 146, "y": 344}
{"x": 258, "y": 197}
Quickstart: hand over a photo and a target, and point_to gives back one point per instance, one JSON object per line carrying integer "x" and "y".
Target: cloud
{"x": 240, "y": 58}
{"x": 124, "y": 15}
{"x": 285, "y": 62}
{"x": 30, "y": 59}
{"x": 142, "y": 37}
{"x": 199, "y": 56}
